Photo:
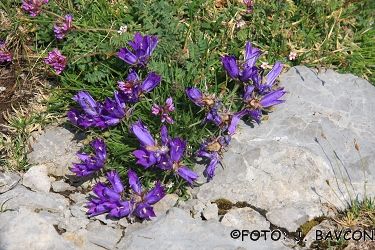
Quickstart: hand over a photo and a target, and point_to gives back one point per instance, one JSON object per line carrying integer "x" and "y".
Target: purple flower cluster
{"x": 62, "y": 27}
{"x": 143, "y": 48}
{"x": 167, "y": 155}
{"x": 216, "y": 111}
{"x": 163, "y": 110}
{"x": 56, "y": 60}
{"x": 133, "y": 88}
{"x": 92, "y": 163}
{"x": 111, "y": 199}
{"x": 258, "y": 95}
{"x": 97, "y": 114}
{"x": 5, "y": 55}
{"x": 254, "y": 104}
{"x": 242, "y": 70}
{"x": 33, "y": 6}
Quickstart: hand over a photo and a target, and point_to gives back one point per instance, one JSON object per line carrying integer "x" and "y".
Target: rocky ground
{"x": 275, "y": 176}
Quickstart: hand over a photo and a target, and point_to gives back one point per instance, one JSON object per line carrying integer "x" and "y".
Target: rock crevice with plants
{"x": 166, "y": 133}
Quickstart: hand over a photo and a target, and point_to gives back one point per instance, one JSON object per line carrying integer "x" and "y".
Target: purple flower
{"x": 132, "y": 89}
{"x": 115, "y": 110}
{"x": 33, "y": 6}
{"x": 91, "y": 108}
{"x": 106, "y": 201}
{"x": 142, "y": 134}
{"x": 264, "y": 85}
{"x": 212, "y": 149}
{"x": 76, "y": 117}
{"x": 87, "y": 103}
{"x": 224, "y": 119}
{"x": 98, "y": 114}
{"x": 251, "y": 55}
{"x": 110, "y": 199}
{"x": 230, "y": 65}
{"x": 143, "y": 48}
{"x": 255, "y": 104}
{"x": 92, "y": 163}
{"x": 173, "y": 161}
{"x": 5, "y": 55}
{"x": 164, "y": 110}
{"x": 56, "y": 60}
{"x": 242, "y": 70}
{"x": 62, "y": 27}
{"x": 202, "y": 100}
{"x": 141, "y": 202}
{"x": 215, "y": 159}
{"x": 150, "y": 152}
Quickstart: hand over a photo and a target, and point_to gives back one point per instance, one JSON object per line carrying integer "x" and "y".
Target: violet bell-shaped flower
{"x": 110, "y": 199}
{"x": 115, "y": 110}
{"x": 62, "y": 27}
{"x": 255, "y": 104}
{"x": 56, "y": 60}
{"x": 150, "y": 152}
{"x": 98, "y": 114}
{"x": 133, "y": 89}
{"x": 92, "y": 163}
{"x": 212, "y": 149}
{"x": 205, "y": 100}
{"x": 5, "y": 55}
{"x": 164, "y": 110}
{"x": 224, "y": 119}
{"x": 91, "y": 108}
{"x": 33, "y": 6}
{"x": 173, "y": 161}
{"x": 143, "y": 48}
{"x": 243, "y": 70}
{"x": 140, "y": 201}
{"x": 264, "y": 85}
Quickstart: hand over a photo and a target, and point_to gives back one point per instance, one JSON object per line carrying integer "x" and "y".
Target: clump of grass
{"x": 358, "y": 213}
{"x": 16, "y": 145}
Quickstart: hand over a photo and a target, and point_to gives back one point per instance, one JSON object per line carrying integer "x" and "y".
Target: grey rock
{"x": 107, "y": 219}
{"x": 210, "y": 211}
{"x": 57, "y": 147}
{"x": 8, "y": 181}
{"x": 285, "y": 162}
{"x": 177, "y": 230}
{"x": 302, "y": 212}
{"x": 198, "y": 209}
{"x": 78, "y": 198}
{"x": 124, "y": 222}
{"x": 94, "y": 236}
{"x": 61, "y": 186}
{"x": 36, "y": 178}
{"x": 51, "y": 218}
{"x": 103, "y": 236}
{"x": 28, "y": 230}
{"x": 21, "y": 197}
{"x": 78, "y": 211}
{"x": 166, "y": 203}
{"x": 79, "y": 239}
{"x": 245, "y": 218}
{"x": 72, "y": 224}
